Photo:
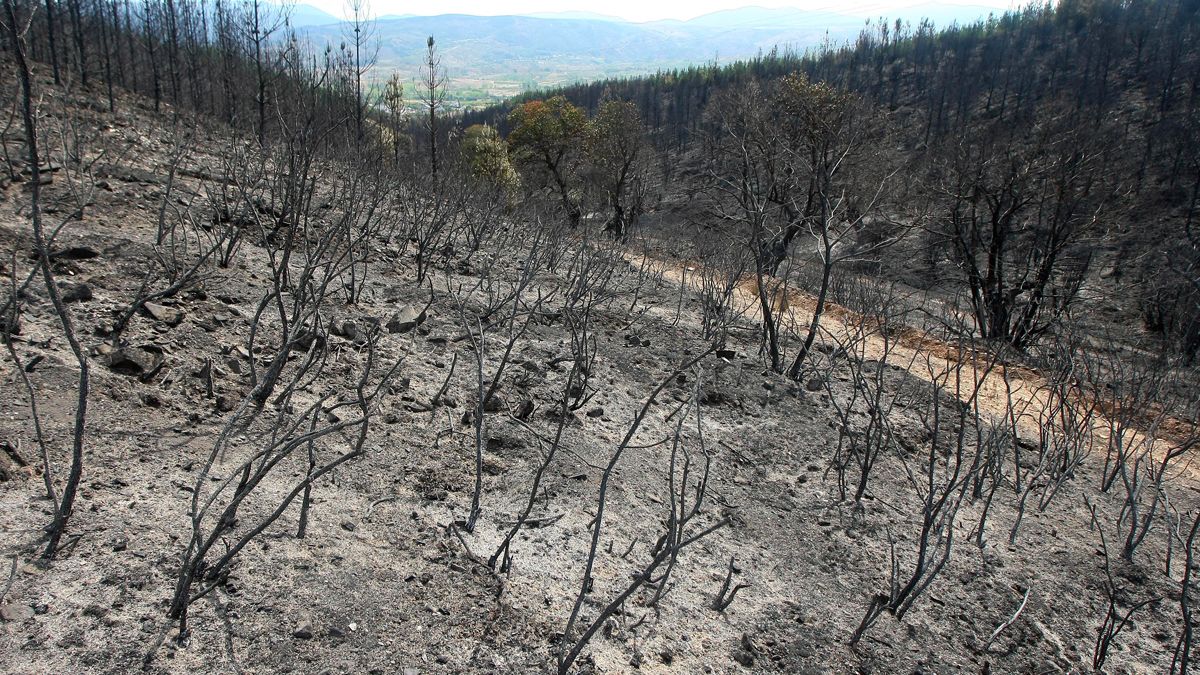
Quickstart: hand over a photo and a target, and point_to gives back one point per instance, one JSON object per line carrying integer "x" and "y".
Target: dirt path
{"x": 1004, "y": 388}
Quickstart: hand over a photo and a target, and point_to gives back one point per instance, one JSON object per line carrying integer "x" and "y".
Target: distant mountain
{"x": 586, "y": 16}
{"x": 488, "y": 57}
{"x": 943, "y": 14}
{"x": 767, "y": 18}
{"x": 305, "y": 16}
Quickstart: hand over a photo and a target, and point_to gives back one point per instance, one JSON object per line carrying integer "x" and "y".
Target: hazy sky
{"x": 635, "y": 10}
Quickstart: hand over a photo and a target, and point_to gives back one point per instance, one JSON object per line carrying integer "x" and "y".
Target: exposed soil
{"x": 381, "y": 585}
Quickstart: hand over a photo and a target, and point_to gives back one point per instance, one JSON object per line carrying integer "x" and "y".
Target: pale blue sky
{"x": 637, "y": 10}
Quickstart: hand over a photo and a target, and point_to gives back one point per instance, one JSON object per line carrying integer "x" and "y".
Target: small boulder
{"x": 405, "y": 319}
{"x": 134, "y": 361}
{"x": 74, "y": 292}
{"x": 164, "y": 314}
{"x": 345, "y": 328}
{"x": 304, "y": 631}
{"x": 15, "y": 613}
{"x": 525, "y": 410}
{"x": 75, "y": 253}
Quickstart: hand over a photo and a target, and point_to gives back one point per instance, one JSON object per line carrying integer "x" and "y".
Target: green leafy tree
{"x": 486, "y": 154}
{"x": 616, "y": 139}
{"x": 393, "y": 105}
{"x": 546, "y": 138}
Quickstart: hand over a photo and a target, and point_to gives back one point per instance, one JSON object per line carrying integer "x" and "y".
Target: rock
{"x": 10, "y": 324}
{"x": 15, "y": 613}
{"x": 494, "y": 404}
{"x": 814, "y": 384}
{"x": 405, "y": 319}
{"x": 134, "y": 361}
{"x": 525, "y": 410}
{"x": 225, "y": 404}
{"x": 304, "y": 631}
{"x": 494, "y": 467}
{"x": 345, "y": 328}
{"x": 349, "y": 526}
{"x": 304, "y": 341}
{"x": 335, "y": 632}
{"x": 164, "y": 314}
{"x": 75, "y": 253}
{"x": 120, "y": 543}
{"x": 596, "y": 412}
{"x": 74, "y": 292}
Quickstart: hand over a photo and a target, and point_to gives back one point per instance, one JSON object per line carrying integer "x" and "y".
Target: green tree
{"x": 393, "y": 105}
{"x": 486, "y": 154}
{"x": 615, "y": 140}
{"x": 545, "y": 139}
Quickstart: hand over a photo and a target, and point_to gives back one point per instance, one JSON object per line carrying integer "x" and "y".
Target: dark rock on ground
{"x": 74, "y": 292}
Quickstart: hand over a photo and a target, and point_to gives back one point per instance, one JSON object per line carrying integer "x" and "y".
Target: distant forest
{"x": 1107, "y": 90}
{"x": 1014, "y": 160}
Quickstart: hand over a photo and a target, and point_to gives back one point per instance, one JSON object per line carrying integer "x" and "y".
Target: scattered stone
{"x": 164, "y": 314}
{"x": 15, "y": 613}
{"x": 596, "y": 412}
{"x": 75, "y": 253}
{"x": 304, "y": 341}
{"x": 494, "y": 404}
{"x": 304, "y": 631}
{"x": 405, "y": 319}
{"x": 133, "y": 361}
{"x": 75, "y": 292}
{"x": 493, "y": 466}
{"x": 345, "y": 328}
{"x": 525, "y": 410}
{"x": 225, "y": 404}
